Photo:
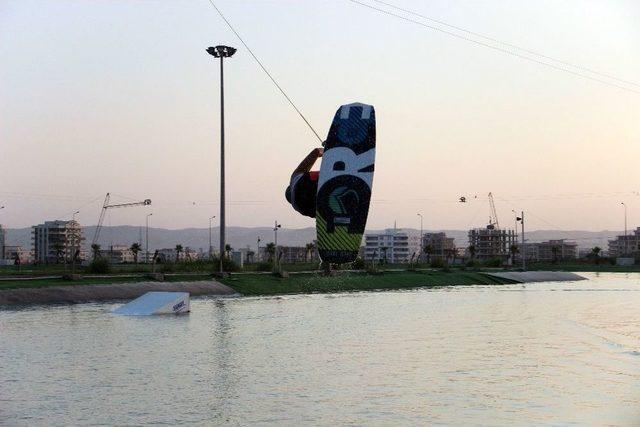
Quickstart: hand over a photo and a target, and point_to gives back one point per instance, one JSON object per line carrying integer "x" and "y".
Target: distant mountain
{"x": 239, "y": 237}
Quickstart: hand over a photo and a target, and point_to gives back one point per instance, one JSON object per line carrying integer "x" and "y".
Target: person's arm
{"x": 307, "y": 163}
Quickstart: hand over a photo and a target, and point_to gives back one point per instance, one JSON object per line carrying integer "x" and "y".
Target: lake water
{"x": 546, "y": 353}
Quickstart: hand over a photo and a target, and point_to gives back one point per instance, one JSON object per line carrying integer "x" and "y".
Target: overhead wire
{"x": 511, "y": 45}
{"x": 295, "y": 107}
{"x": 496, "y": 48}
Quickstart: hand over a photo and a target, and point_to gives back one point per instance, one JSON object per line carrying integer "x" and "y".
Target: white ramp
{"x": 156, "y": 303}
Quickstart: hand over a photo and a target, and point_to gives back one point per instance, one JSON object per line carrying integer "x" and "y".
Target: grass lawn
{"x": 41, "y": 283}
{"x": 250, "y": 284}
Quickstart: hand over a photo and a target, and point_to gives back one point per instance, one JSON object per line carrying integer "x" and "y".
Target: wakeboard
{"x": 345, "y": 182}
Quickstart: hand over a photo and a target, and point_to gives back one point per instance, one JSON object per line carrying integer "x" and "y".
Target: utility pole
{"x": 524, "y": 254}
{"x": 626, "y": 249}
{"x": 146, "y": 250}
{"x": 277, "y": 258}
{"x": 421, "y": 244}
{"x": 210, "y": 245}
{"x": 258, "y": 250}
{"x": 222, "y": 52}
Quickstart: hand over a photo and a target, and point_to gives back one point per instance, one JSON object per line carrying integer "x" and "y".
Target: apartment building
{"x": 490, "y": 243}
{"x": 438, "y": 245}
{"x": 628, "y": 245}
{"x": 394, "y": 246}
{"x": 54, "y": 241}
{"x": 550, "y": 251}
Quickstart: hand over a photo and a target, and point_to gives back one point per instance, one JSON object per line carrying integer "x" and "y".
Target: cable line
{"x": 266, "y": 72}
{"x": 531, "y": 52}
{"x": 499, "y": 49}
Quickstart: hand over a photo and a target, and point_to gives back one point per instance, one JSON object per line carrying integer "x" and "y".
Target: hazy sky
{"x": 120, "y": 96}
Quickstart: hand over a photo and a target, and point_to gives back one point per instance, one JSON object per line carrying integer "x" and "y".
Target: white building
{"x": 628, "y": 245}
{"x": 55, "y": 241}
{"x": 396, "y": 246}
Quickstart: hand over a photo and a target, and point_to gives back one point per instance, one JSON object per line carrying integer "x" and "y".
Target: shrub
{"x": 99, "y": 266}
{"x": 358, "y": 264}
{"x": 493, "y": 262}
{"x": 264, "y": 266}
{"x": 437, "y": 263}
{"x": 227, "y": 264}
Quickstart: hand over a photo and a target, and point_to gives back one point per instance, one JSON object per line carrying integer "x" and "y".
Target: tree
{"x": 555, "y": 250}
{"x": 250, "y": 255}
{"x": 178, "y": 251}
{"x": 135, "y": 248}
{"x": 227, "y": 250}
{"x": 95, "y": 249}
{"x": 309, "y": 247}
{"x": 59, "y": 249}
{"x": 271, "y": 250}
{"x": 472, "y": 252}
{"x": 595, "y": 252}
{"x": 428, "y": 250}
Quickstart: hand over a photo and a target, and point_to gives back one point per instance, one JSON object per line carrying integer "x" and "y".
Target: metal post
{"x": 210, "y": 245}
{"x": 626, "y": 249}
{"x": 222, "y": 201}
{"x": 524, "y": 252}
{"x": 421, "y": 238}
{"x": 146, "y": 255}
{"x": 258, "y": 251}
{"x": 221, "y": 52}
{"x": 277, "y": 258}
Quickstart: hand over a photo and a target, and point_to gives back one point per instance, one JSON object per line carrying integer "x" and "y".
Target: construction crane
{"x": 106, "y": 205}
{"x": 493, "y": 218}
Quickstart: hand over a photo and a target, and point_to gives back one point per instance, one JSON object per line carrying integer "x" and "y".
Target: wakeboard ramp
{"x": 156, "y": 303}
{"x": 345, "y": 182}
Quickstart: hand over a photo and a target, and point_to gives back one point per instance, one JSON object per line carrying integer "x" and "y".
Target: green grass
{"x": 43, "y": 283}
{"x": 252, "y": 284}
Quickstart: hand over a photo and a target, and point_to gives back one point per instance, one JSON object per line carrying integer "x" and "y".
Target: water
{"x": 548, "y": 353}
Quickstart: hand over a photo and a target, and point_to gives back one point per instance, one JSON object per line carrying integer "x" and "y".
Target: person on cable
{"x": 303, "y": 186}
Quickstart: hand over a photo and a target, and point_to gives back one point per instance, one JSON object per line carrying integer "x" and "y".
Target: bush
{"x": 227, "y": 264}
{"x": 358, "y": 264}
{"x": 166, "y": 267}
{"x": 99, "y": 266}
{"x": 494, "y": 262}
{"x": 437, "y": 263}
{"x": 264, "y": 266}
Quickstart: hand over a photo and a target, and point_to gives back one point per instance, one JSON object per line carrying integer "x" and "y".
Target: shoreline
{"x": 257, "y": 284}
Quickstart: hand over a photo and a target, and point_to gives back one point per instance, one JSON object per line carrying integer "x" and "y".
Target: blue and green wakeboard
{"x": 345, "y": 182}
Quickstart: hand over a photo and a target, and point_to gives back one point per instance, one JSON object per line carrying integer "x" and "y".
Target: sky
{"x": 120, "y": 96}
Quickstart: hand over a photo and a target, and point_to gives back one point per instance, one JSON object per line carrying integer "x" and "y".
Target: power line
{"x": 511, "y": 45}
{"x": 267, "y": 72}
{"x": 499, "y": 49}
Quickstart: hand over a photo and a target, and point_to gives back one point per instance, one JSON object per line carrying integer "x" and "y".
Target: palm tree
{"x": 384, "y": 250}
{"x": 554, "y": 251}
{"x": 250, "y": 255}
{"x": 596, "y": 254}
{"x": 135, "y": 248}
{"x": 271, "y": 250}
{"x": 227, "y": 250}
{"x": 310, "y": 247}
{"x": 95, "y": 248}
{"x": 178, "y": 251}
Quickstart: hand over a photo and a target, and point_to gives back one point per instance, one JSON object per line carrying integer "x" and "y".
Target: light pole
{"x": 258, "y": 250}
{"x": 210, "y": 245}
{"x": 521, "y": 219}
{"x": 146, "y": 251}
{"x": 275, "y": 231}
{"x": 421, "y": 242}
{"x": 625, "y": 228}
{"x": 221, "y": 52}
